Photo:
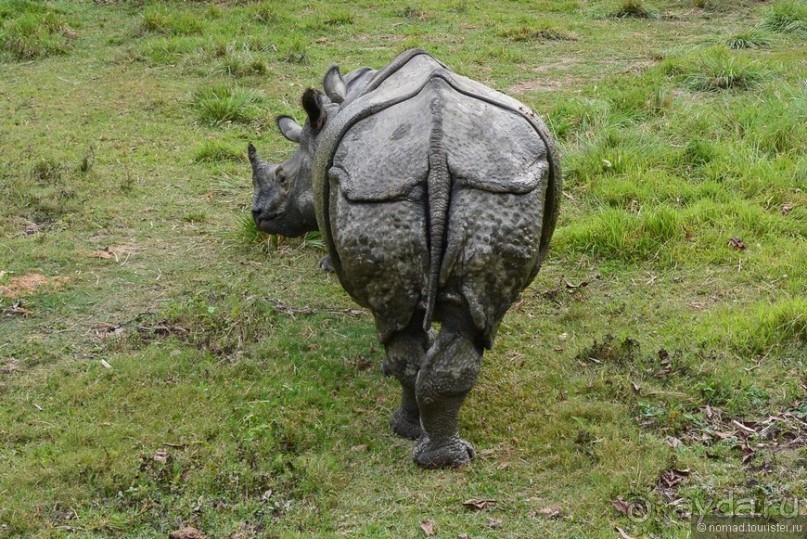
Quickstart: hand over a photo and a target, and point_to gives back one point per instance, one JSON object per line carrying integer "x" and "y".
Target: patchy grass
{"x": 168, "y": 21}
{"x": 789, "y": 16}
{"x": 30, "y": 32}
{"x": 537, "y": 33}
{"x": 636, "y": 9}
{"x": 749, "y": 39}
{"x": 221, "y": 104}
{"x": 717, "y": 69}
{"x": 163, "y": 363}
{"x": 215, "y": 151}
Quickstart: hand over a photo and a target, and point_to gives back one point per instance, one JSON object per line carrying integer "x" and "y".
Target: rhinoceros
{"x": 436, "y": 197}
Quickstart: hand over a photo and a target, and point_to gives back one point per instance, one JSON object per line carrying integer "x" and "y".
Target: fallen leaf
{"x": 629, "y": 509}
{"x": 16, "y": 309}
{"x": 748, "y": 452}
{"x": 636, "y": 388}
{"x": 622, "y": 533}
{"x": 186, "y": 533}
{"x": 572, "y": 286}
{"x": 428, "y": 527}
{"x": 672, "y": 477}
{"x": 103, "y": 253}
{"x": 737, "y": 243}
{"x": 553, "y": 511}
{"x": 478, "y": 505}
{"x": 787, "y": 207}
{"x": 266, "y": 496}
{"x": 462, "y": 536}
{"x": 621, "y": 505}
{"x": 494, "y": 523}
{"x": 362, "y": 363}
{"x": 161, "y": 455}
{"x": 359, "y": 448}
{"x": 322, "y": 40}
{"x": 673, "y": 442}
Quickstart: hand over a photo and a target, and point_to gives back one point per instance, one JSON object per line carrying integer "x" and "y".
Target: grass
{"x": 716, "y": 69}
{"x": 221, "y": 104}
{"x": 789, "y": 16}
{"x": 749, "y": 39}
{"x": 633, "y": 9}
{"x": 537, "y": 33}
{"x": 32, "y": 33}
{"x": 164, "y": 363}
{"x": 165, "y": 20}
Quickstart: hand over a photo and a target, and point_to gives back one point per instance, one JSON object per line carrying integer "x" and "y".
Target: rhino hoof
{"x": 326, "y": 265}
{"x": 453, "y": 453}
{"x": 405, "y": 424}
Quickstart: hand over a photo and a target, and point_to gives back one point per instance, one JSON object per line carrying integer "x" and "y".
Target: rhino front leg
{"x": 405, "y": 352}
{"x": 449, "y": 372}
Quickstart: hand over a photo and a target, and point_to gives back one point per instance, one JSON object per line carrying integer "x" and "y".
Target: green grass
{"x": 216, "y": 151}
{"x": 749, "y": 39}
{"x": 633, "y": 9}
{"x": 221, "y": 104}
{"x": 716, "y": 69}
{"x": 165, "y": 20}
{"x": 789, "y": 16}
{"x": 28, "y": 32}
{"x": 180, "y": 367}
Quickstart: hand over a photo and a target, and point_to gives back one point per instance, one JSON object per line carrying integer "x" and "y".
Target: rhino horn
{"x": 289, "y": 128}
{"x": 334, "y": 84}
{"x": 253, "y": 154}
{"x": 312, "y": 103}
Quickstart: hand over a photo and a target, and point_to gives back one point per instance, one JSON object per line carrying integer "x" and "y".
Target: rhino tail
{"x": 438, "y": 192}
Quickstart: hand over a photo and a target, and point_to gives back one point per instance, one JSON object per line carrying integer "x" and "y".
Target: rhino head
{"x": 282, "y": 197}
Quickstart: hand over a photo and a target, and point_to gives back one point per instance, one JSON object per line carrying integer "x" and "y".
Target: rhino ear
{"x": 312, "y": 103}
{"x": 289, "y": 128}
{"x": 334, "y": 84}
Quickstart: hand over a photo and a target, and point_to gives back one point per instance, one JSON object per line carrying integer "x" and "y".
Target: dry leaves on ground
{"x": 428, "y": 527}
{"x": 186, "y": 533}
{"x": 478, "y": 505}
{"x": 553, "y": 511}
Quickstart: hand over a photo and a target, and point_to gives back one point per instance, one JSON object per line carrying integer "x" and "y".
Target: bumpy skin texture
{"x": 436, "y": 197}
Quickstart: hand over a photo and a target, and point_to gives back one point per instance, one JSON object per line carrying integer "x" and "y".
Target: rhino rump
{"x": 383, "y": 156}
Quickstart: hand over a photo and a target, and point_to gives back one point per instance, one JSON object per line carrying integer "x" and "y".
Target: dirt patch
{"x": 541, "y": 85}
{"x": 28, "y": 284}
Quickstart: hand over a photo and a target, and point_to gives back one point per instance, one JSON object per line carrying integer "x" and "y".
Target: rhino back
{"x": 384, "y": 156}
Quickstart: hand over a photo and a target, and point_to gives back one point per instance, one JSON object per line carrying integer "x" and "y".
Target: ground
{"x": 162, "y": 365}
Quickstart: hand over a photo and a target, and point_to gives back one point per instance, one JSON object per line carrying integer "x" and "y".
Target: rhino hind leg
{"x": 448, "y": 373}
{"x": 405, "y": 351}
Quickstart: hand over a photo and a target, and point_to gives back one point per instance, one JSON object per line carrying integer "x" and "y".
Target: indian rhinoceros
{"x": 436, "y": 197}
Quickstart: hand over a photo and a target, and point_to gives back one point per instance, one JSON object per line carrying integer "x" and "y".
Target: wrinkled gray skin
{"x": 436, "y": 197}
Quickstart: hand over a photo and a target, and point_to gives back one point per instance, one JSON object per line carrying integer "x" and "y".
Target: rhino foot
{"x": 326, "y": 265}
{"x": 452, "y": 453}
{"x": 405, "y": 424}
